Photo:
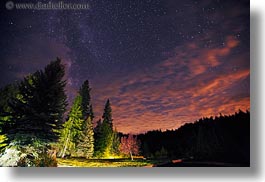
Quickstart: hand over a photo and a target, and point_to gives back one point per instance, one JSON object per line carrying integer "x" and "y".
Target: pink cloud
{"x": 179, "y": 89}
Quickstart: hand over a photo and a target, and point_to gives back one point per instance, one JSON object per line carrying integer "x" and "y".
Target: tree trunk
{"x": 65, "y": 146}
{"x": 131, "y": 155}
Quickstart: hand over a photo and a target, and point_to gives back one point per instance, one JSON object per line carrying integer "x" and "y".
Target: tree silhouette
{"x": 38, "y": 108}
{"x": 107, "y": 115}
{"x": 222, "y": 138}
{"x": 86, "y": 106}
{"x": 103, "y": 143}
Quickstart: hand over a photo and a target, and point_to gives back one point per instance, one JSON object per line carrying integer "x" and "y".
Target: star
{"x": 154, "y": 52}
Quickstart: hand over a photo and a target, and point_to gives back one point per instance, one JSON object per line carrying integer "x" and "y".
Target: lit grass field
{"x": 80, "y": 162}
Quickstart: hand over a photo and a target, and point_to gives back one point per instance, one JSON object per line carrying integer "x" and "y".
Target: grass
{"x": 81, "y": 162}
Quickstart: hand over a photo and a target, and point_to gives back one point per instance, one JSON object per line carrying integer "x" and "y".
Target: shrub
{"x": 28, "y": 156}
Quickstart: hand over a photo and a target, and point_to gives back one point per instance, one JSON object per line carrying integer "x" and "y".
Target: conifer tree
{"x": 105, "y": 133}
{"x": 107, "y": 115}
{"x": 72, "y": 131}
{"x": 91, "y": 112}
{"x": 97, "y": 137}
{"x": 115, "y": 143}
{"x": 97, "y": 128}
{"x": 85, "y": 147}
{"x": 87, "y": 109}
{"x": 37, "y": 110}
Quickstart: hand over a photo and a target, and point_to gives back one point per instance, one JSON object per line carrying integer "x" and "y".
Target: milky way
{"x": 162, "y": 63}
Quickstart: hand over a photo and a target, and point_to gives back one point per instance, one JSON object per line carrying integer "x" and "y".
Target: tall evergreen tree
{"x": 85, "y": 147}
{"x": 107, "y": 115}
{"x": 87, "y": 109}
{"x": 105, "y": 133}
{"x": 72, "y": 131}
{"x": 97, "y": 136}
{"x": 97, "y": 127}
{"x": 91, "y": 112}
{"x": 37, "y": 111}
{"x": 115, "y": 143}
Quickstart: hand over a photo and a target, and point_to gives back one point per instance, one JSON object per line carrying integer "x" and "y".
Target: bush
{"x": 28, "y": 156}
{"x": 10, "y": 156}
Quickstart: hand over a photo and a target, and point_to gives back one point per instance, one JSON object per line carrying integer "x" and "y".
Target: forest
{"x": 223, "y": 139}
{"x": 37, "y": 130}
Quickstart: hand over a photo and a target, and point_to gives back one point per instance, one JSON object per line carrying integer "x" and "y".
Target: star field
{"x": 161, "y": 63}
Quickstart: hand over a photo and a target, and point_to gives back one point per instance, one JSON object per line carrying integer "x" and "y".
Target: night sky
{"x": 162, "y": 63}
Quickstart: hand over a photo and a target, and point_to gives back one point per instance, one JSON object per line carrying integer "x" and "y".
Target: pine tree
{"x": 105, "y": 133}
{"x": 115, "y": 143}
{"x": 98, "y": 126}
{"x": 91, "y": 112}
{"x": 85, "y": 147}
{"x": 72, "y": 131}
{"x": 87, "y": 109}
{"x": 37, "y": 111}
{"x": 107, "y": 115}
{"x": 97, "y": 137}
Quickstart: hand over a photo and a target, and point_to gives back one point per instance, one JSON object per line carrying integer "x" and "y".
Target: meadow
{"x": 82, "y": 162}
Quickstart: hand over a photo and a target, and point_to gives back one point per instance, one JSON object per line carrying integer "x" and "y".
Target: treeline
{"x": 34, "y": 131}
{"x": 78, "y": 137}
{"x": 35, "y": 128}
{"x": 223, "y": 138}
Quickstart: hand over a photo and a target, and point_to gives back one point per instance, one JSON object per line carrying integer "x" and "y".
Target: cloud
{"x": 192, "y": 82}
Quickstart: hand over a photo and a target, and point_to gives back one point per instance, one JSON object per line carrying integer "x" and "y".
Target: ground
{"x": 81, "y": 162}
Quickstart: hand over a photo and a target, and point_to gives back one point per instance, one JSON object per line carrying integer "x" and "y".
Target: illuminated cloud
{"x": 162, "y": 63}
{"x": 193, "y": 82}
